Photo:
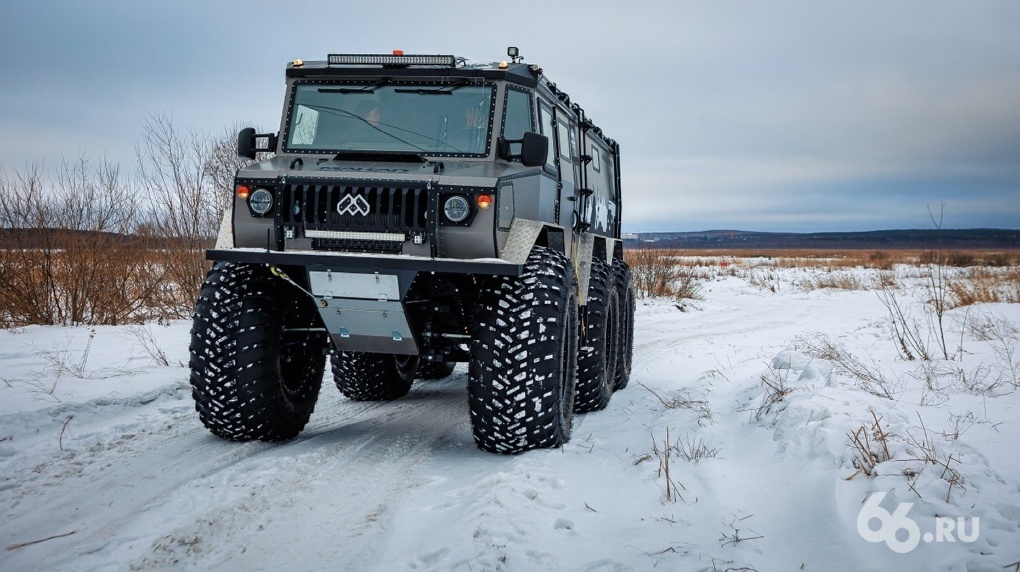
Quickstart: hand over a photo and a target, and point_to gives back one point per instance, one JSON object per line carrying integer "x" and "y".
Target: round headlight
{"x": 456, "y": 209}
{"x": 261, "y": 201}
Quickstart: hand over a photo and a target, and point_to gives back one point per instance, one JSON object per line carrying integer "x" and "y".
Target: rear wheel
{"x": 524, "y": 357}
{"x": 365, "y": 376}
{"x": 256, "y": 368}
{"x": 434, "y": 369}
{"x": 625, "y": 290}
{"x": 597, "y": 359}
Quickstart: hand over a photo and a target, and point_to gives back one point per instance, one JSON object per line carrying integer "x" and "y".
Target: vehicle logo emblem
{"x": 353, "y": 204}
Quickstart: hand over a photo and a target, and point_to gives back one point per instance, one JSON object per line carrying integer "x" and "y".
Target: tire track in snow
{"x": 140, "y": 471}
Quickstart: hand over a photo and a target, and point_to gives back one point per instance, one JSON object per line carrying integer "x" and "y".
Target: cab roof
{"x": 400, "y": 65}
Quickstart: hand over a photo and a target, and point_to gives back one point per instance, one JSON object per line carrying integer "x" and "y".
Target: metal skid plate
{"x": 367, "y": 326}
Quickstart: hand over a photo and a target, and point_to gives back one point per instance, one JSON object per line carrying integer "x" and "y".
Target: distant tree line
{"x": 913, "y": 239}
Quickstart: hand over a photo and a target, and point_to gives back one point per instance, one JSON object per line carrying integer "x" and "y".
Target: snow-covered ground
{"x": 105, "y": 466}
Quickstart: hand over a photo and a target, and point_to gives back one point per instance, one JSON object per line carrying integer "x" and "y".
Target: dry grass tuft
{"x": 869, "y": 447}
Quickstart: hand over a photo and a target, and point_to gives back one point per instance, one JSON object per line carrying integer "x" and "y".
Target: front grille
{"x": 361, "y": 209}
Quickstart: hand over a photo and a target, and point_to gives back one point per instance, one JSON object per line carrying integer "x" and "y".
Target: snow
{"x": 105, "y": 466}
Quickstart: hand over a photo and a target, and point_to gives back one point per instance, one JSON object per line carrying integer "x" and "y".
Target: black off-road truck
{"x": 418, "y": 211}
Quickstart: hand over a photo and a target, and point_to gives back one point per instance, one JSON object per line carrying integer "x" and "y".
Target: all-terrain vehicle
{"x": 418, "y": 211}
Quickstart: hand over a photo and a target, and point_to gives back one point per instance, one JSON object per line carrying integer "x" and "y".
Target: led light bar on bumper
{"x": 345, "y": 235}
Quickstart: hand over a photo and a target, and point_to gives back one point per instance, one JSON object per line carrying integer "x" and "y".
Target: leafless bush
{"x": 986, "y": 285}
{"x": 939, "y": 291}
{"x": 910, "y": 342}
{"x": 149, "y": 344}
{"x": 928, "y": 452}
{"x": 660, "y": 273}
{"x": 880, "y": 259}
{"x": 186, "y": 209}
{"x": 68, "y": 255}
{"x": 83, "y": 247}
{"x": 1004, "y": 337}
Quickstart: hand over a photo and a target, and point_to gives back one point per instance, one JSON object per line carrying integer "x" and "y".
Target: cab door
{"x": 558, "y": 126}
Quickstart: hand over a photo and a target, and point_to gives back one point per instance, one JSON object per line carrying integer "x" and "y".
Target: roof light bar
{"x": 390, "y": 60}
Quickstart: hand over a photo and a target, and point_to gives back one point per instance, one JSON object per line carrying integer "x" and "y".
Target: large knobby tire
{"x": 524, "y": 357}
{"x": 435, "y": 369}
{"x": 256, "y": 369}
{"x": 625, "y": 289}
{"x": 597, "y": 358}
{"x": 365, "y": 376}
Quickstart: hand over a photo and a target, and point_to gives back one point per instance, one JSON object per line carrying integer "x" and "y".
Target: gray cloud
{"x": 799, "y": 116}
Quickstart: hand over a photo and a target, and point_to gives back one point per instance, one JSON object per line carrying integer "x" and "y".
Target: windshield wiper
{"x": 445, "y": 90}
{"x": 370, "y": 88}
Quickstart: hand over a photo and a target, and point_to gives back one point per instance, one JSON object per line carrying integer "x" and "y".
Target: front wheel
{"x": 256, "y": 357}
{"x": 524, "y": 357}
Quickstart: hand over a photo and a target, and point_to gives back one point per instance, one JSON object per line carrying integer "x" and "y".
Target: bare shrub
{"x": 939, "y": 292}
{"x": 659, "y": 273}
{"x": 960, "y": 259}
{"x": 928, "y": 452}
{"x": 880, "y": 259}
{"x": 910, "y": 343}
{"x": 998, "y": 259}
{"x": 83, "y": 247}
{"x": 185, "y": 207}
{"x": 985, "y": 286}
{"x": 143, "y": 335}
{"x": 68, "y": 254}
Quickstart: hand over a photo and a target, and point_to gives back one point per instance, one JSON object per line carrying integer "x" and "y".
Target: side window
{"x": 567, "y": 151}
{"x": 518, "y": 118}
{"x": 548, "y": 128}
{"x": 564, "y": 139}
{"x": 596, "y": 159}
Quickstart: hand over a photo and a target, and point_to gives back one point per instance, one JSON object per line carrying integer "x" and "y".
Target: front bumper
{"x": 366, "y": 262}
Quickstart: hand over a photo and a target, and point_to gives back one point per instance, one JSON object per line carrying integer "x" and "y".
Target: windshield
{"x": 431, "y": 118}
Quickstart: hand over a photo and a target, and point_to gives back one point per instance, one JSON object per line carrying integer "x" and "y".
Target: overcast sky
{"x": 775, "y": 116}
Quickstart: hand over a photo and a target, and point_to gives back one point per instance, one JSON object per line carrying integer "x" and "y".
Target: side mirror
{"x": 246, "y": 143}
{"x": 534, "y": 149}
